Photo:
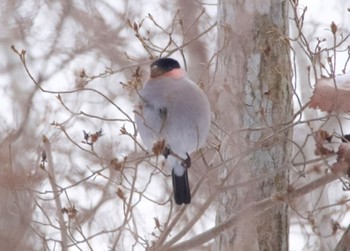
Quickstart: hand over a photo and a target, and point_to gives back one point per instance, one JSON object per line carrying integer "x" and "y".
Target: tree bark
{"x": 253, "y": 106}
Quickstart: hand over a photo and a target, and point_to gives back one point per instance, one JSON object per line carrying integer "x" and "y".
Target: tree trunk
{"x": 254, "y": 102}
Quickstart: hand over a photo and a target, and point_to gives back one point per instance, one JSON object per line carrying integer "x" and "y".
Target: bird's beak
{"x": 156, "y": 71}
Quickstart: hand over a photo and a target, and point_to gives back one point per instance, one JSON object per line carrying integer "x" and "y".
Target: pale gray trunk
{"x": 254, "y": 101}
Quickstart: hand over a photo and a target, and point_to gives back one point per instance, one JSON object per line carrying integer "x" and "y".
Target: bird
{"x": 175, "y": 110}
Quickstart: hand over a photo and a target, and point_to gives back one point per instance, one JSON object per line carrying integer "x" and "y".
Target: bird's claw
{"x": 186, "y": 163}
{"x": 166, "y": 152}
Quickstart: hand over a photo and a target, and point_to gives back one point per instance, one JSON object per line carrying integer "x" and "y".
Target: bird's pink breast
{"x": 175, "y": 73}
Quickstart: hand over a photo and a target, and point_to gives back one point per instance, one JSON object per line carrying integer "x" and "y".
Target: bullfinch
{"x": 173, "y": 110}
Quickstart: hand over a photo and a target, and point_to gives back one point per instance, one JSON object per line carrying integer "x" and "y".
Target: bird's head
{"x": 164, "y": 66}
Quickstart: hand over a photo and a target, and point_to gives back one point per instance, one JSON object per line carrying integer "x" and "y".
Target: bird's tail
{"x": 182, "y": 193}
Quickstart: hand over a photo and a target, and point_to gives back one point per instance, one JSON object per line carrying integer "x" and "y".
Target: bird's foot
{"x": 186, "y": 163}
{"x": 166, "y": 152}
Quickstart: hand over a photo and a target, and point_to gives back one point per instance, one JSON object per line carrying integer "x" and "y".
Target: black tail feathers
{"x": 182, "y": 193}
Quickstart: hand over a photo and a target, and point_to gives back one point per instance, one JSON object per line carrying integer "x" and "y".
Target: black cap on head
{"x": 165, "y": 64}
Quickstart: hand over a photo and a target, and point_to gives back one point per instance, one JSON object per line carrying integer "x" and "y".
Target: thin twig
{"x": 56, "y": 193}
